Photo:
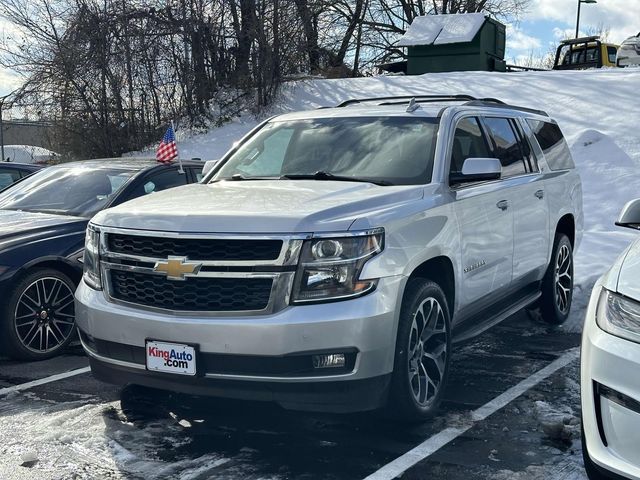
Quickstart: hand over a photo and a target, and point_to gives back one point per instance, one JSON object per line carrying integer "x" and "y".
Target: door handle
{"x": 540, "y": 194}
{"x": 502, "y": 205}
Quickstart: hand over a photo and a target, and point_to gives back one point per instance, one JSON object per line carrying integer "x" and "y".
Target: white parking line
{"x": 42, "y": 381}
{"x": 435, "y": 442}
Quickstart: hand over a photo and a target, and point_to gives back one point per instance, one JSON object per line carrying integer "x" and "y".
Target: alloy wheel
{"x": 427, "y": 351}
{"x": 45, "y": 315}
{"x": 564, "y": 279}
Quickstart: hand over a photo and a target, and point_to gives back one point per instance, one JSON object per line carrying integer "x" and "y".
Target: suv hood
{"x": 629, "y": 276}
{"x": 258, "y": 206}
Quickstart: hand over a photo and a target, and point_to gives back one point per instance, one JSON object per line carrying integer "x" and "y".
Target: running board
{"x": 479, "y": 328}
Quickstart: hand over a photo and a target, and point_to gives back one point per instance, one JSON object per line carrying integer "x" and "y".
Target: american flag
{"x": 168, "y": 150}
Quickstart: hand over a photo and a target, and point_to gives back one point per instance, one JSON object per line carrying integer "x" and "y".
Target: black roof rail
{"x": 400, "y": 99}
{"x": 495, "y": 103}
{"x": 468, "y": 100}
{"x": 491, "y": 100}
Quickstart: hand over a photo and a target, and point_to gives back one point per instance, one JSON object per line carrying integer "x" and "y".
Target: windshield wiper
{"x": 320, "y": 175}
{"x": 238, "y": 177}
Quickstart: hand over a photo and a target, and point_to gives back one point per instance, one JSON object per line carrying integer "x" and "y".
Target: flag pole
{"x": 180, "y": 169}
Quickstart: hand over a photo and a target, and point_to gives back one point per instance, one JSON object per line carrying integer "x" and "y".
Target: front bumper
{"x": 610, "y": 388}
{"x": 365, "y": 328}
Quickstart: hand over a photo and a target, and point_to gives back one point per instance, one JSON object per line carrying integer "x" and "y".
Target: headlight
{"x": 91, "y": 263}
{"x": 330, "y": 268}
{"x": 618, "y": 315}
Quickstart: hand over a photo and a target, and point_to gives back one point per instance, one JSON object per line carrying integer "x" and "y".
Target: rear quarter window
{"x": 553, "y": 145}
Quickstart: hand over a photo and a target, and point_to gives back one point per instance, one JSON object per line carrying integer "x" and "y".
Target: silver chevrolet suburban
{"x": 333, "y": 258}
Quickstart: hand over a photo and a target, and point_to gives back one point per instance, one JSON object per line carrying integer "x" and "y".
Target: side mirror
{"x": 630, "y": 215}
{"x": 208, "y": 166}
{"x": 478, "y": 170}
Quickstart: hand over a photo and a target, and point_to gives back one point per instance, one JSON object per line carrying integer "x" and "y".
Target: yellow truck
{"x": 585, "y": 52}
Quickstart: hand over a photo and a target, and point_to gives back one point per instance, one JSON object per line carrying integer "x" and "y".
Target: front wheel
{"x": 423, "y": 350}
{"x": 557, "y": 285}
{"x": 38, "y": 320}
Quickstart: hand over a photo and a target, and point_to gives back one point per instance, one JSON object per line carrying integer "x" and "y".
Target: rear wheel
{"x": 423, "y": 348}
{"x": 38, "y": 320}
{"x": 557, "y": 285}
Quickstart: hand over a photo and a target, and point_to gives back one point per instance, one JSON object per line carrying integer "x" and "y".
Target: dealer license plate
{"x": 171, "y": 358}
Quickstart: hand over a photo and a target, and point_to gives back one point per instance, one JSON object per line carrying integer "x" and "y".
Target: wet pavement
{"x": 80, "y": 428}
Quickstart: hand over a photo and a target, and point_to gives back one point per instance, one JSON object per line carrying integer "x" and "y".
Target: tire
{"x": 38, "y": 320}
{"x": 593, "y": 471}
{"x": 418, "y": 380}
{"x": 557, "y": 284}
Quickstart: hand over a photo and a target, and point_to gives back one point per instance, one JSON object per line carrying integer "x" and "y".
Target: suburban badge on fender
{"x": 176, "y": 268}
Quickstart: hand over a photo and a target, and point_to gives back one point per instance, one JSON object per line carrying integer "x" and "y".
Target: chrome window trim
{"x": 457, "y": 118}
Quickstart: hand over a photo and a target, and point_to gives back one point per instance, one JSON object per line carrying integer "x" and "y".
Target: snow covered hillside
{"x": 598, "y": 111}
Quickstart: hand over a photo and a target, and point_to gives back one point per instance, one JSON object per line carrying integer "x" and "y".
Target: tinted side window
{"x": 197, "y": 173}
{"x": 506, "y": 146}
{"x": 468, "y": 142}
{"x": 530, "y": 160}
{"x": 8, "y": 176}
{"x": 160, "y": 181}
{"x": 553, "y": 145}
{"x": 611, "y": 52}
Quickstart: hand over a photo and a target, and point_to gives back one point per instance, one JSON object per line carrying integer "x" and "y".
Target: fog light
{"x": 334, "y": 360}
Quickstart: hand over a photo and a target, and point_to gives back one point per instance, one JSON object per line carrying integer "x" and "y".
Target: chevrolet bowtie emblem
{"x": 177, "y": 267}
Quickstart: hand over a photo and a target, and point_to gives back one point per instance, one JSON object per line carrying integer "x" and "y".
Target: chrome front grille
{"x": 195, "y": 248}
{"x": 235, "y": 275}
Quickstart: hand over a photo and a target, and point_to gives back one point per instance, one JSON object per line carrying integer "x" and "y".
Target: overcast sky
{"x": 544, "y": 23}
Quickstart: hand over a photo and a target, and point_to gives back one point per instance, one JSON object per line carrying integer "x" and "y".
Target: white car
{"x": 610, "y": 382}
{"x": 629, "y": 52}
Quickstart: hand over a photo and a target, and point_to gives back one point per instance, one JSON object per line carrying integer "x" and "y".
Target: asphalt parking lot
{"x": 511, "y": 411}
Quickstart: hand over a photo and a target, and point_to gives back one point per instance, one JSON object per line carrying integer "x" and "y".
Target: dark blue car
{"x": 43, "y": 219}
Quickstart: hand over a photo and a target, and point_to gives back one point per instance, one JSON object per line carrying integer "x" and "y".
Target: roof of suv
{"x": 428, "y": 106}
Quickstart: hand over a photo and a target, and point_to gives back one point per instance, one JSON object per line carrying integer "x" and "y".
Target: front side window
{"x": 506, "y": 146}
{"x": 384, "y": 150}
{"x": 156, "y": 182}
{"x": 68, "y": 190}
{"x": 611, "y": 53}
{"x": 8, "y": 176}
{"x": 468, "y": 142}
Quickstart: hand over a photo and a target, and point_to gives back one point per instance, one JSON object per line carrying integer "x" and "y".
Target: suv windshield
{"x": 383, "y": 150}
{"x": 68, "y": 190}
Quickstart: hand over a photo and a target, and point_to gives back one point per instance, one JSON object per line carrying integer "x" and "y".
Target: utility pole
{"x": 2, "y": 130}
{"x": 578, "y": 17}
{"x": 2, "y": 101}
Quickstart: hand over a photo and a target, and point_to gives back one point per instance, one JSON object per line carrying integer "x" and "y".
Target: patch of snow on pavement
{"x": 76, "y": 440}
